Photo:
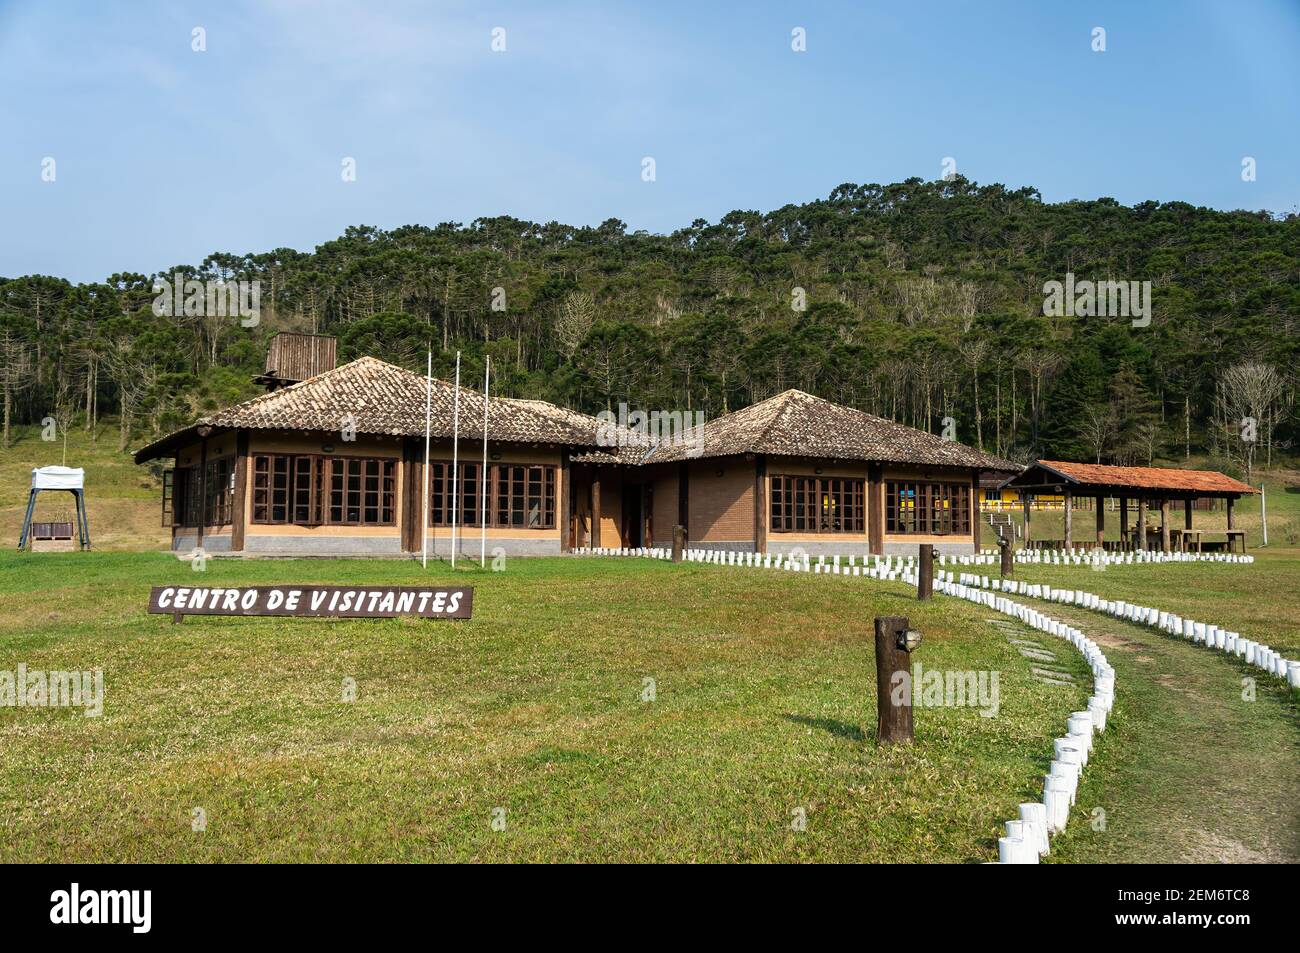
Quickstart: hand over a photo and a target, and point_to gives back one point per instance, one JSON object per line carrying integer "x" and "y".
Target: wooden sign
{"x": 344, "y": 602}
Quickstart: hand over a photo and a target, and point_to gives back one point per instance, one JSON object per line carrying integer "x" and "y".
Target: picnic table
{"x": 1182, "y": 539}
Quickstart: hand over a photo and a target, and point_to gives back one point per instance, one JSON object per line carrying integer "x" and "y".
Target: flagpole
{"x": 483, "y": 475}
{"x": 455, "y": 461}
{"x": 424, "y": 510}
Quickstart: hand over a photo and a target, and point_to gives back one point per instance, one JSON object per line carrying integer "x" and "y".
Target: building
{"x": 1152, "y": 488}
{"x": 334, "y": 465}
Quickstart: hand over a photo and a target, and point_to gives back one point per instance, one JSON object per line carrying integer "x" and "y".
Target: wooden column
{"x": 760, "y": 504}
{"x": 1123, "y": 522}
{"x": 875, "y": 510}
{"x": 1069, "y": 520}
{"x": 203, "y": 492}
{"x": 595, "y": 507}
{"x": 1232, "y": 523}
{"x": 567, "y": 507}
{"x": 1142, "y": 523}
{"x": 412, "y": 495}
{"x": 647, "y": 515}
{"x": 1187, "y": 514}
{"x": 679, "y": 542}
{"x": 893, "y": 683}
{"x": 684, "y": 497}
{"x": 1164, "y": 526}
{"x": 1101, "y": 522}
{"x": 1024, "y": 501}
{"x": 1008, "y": 560}
{"x": 238, "y": 508}
{"x": 925, "y": 572}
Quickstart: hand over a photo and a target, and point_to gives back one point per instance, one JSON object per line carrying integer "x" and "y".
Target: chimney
{"x": 291, "y": 358}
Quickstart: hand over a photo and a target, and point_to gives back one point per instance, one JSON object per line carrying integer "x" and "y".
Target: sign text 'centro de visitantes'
{"x": 345, "y": 602}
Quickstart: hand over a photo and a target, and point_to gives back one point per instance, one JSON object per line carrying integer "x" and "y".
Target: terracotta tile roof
{"x": 383, "y": 398}
{"x": 797, "y": 424}
{"x": 1138, "y": 478}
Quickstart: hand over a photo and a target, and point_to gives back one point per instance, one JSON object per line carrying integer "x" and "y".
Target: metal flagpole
{"x": 455, "y": 461}
{"x": 1263, "y": 512}
{"x": 483, "y": 474}
{"x": 424, "y": 510}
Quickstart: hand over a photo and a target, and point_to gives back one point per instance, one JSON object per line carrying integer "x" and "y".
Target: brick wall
{"x": 722, "y": 507}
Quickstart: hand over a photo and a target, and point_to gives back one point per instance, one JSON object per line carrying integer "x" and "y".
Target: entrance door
{"x": 633, "y": 518}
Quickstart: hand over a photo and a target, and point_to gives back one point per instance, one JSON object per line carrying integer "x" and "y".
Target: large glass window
{"x": 313, "y": 490}
{"x": 517, "y": 495}
{"x": 927, "y": 509}
{"x": 817, "y": 505}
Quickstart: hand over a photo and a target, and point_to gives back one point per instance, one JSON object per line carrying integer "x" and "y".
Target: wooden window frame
{"x": 927, "y": 508}
{"x": 168, "y": 496}
{"x": 320, "y": 489}
{"x": 219, "y": 492}
{"x": 520, "y": 495}
{"x": 817, "y": 505}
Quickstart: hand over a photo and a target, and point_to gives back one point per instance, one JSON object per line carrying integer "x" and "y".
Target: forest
{"x": 918, "y": 301}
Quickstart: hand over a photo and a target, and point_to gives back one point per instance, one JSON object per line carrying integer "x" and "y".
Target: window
{"x": 817, "y": 505}
{"x": 928, "y": 509}
{"x": 518, "y": 496}
{"x": 168, "y": 497}
{"x": 314, "y": 490}
{"x": 218, "y": 491}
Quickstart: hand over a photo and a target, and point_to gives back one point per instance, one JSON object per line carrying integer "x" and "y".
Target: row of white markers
{"x": 1027, "y": 838}
{"x": 1097, "y": 557}
{"x": 1046, "y": 557}
{"x": 1202, "y": 633}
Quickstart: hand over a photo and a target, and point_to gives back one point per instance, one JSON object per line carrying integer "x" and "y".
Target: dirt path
{"x": 1188, "y": 771}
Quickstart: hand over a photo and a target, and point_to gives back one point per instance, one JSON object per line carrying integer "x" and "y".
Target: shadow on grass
{"x": 841, "y": 729}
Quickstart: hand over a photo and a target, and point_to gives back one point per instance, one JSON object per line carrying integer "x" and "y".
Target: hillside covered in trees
{"x": 918, "y": 301}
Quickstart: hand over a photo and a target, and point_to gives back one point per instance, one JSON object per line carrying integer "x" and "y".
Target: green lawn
{"x": 764, "y": 704}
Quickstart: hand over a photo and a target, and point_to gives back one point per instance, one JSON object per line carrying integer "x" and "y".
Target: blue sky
{"x": 164, "y": 154}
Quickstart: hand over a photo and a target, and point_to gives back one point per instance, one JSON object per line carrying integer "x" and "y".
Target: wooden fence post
{"x": 679, "y": 542}
{"x": 925, "y": 572}
{"x": 893, "y": 682}
{"x": 1008, "y": 561}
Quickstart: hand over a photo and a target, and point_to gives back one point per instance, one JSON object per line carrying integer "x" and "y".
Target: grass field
{"x": 764, "y": 705}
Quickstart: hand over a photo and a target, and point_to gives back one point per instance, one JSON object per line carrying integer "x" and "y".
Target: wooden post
{"x": 1101, "y": 522}
{"x": 203, "y": 492}
{"x": 595, "y": 509}
{"x": 925, "y": 572}
{"x": 566, "y": 502}
{"x": 679, "y": 542}
{"x": 1232, "y": 524}
{"x": 1142, "y": 523}
{"x": 1123, "y": 522}
{"x": 1024, "y": 500}
{"x": 875, "y": 510}
{"x": 893, "y": 683}
{"x": 760, "y": 505}
{"x": 1069, "y": 520}
{"x": 1008, "y": 561}
{"x": 238, "y": 510}
{"x": 1164, "y": 526}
